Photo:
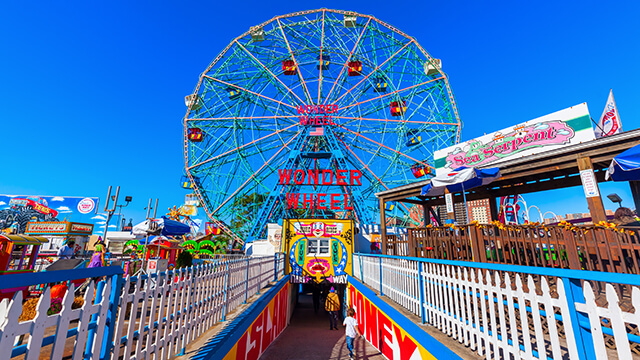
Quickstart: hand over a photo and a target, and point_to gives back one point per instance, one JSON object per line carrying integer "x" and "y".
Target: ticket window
{"x": 319, "y": 247}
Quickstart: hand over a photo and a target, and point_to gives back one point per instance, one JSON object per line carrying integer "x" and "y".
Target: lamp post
{"x": 127, "y": 199}
{"x": 615, "y": 199}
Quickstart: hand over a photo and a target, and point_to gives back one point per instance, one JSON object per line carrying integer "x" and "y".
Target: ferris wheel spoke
{"x": 355, "y": 46}
{"x": 249, "y": 91}
{"x": 240, "y": 147}
{"x": 245, "y": 118}
{"x": 270, "y": 73}
{"x": 358, "y": 118}
{"x": 389, "y": 94}
{"x": 321, "y": 57}
{"x": 257, "y": 172}
{"x": 367, "y": 167}
{"x": 384, "y": 146}
{"x": 304, "y": 84}
{"x": 374, "y": 70}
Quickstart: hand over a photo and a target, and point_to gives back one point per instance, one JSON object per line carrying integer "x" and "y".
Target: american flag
{"x": 317, "y": 131}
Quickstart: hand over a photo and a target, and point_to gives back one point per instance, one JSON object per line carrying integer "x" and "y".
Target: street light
{"x": 615, "y": 199}
{"x": 127, "y": 200}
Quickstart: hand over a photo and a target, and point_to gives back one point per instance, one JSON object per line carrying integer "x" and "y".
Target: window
{"x": 319, "y": 247}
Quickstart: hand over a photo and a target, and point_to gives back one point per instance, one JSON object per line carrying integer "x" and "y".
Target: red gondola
{"x": 398, "y": 108}
{"x": 420, "y": 170}
{"x": 289, "y": 67}
{"x": 355, "y": 68}
{"x": 195, "y": 134}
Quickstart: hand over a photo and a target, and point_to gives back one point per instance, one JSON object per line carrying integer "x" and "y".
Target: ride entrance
{"x": 308, "y": 115}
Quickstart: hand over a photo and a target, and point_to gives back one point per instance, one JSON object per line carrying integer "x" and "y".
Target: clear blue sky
{"x": 91, "y": 93}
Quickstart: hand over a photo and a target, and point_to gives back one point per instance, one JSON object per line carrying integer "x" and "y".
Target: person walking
{"x": 351, "y": 330}
{"x": 332, "y": 305}
{"x": 67, "y": 251}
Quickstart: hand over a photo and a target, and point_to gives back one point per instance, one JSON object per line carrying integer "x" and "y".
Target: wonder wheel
{"x": 324, "y": 93}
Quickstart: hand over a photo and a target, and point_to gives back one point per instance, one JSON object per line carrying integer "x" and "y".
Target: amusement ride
{"x": 309, "y": 115}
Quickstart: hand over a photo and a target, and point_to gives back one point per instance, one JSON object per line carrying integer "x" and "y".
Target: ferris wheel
{"x": 324, "y": 93}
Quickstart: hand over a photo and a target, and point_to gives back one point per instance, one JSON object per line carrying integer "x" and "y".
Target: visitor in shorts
{"x": 351, "y": 330}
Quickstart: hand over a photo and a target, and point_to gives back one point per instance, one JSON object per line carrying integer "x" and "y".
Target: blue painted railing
{"x": 387, "y": 274}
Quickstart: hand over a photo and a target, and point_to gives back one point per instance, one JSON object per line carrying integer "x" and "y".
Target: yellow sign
{"x": 318, "y": 249}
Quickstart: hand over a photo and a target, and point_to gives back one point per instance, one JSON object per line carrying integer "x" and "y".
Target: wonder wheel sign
{"x": 308, "y": 115}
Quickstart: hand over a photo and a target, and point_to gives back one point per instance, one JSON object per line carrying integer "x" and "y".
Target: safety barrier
{"x": 389, "y": 331}
{"x": 249, "y": 334}
{"x": 132, "y": 317}
{"x": 507, "y": 311}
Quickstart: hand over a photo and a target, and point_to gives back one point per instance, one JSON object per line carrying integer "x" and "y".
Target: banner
{"x": 18, "y": 210}
{"x": 609, "y": 123}
{"x": 559, "y": 129}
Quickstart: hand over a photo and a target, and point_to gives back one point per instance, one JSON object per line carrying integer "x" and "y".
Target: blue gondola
{"x": 323, "y": 63}
{"x": 186, "y": 183}
{"x": 233, "y": 93}
{"x": 413, "y": 137}
{"x": 380, "y": 85}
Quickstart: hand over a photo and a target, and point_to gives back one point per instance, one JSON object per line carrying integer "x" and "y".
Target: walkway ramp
{"x": 308, "y": 337}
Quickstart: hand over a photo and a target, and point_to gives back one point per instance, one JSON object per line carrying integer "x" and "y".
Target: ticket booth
{"x": 57, "y": 232}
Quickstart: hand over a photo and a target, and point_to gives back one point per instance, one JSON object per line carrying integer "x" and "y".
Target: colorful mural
{"x": 17, "y": 210}
{"x": 318, "y": 249}
{"x": 395, "y": 336}
{"x": 266, "y": 327}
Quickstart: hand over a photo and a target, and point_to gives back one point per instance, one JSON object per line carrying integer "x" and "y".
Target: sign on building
{"x": 559, "y": 129}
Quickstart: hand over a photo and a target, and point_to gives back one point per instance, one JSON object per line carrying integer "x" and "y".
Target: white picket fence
{"x": 151, "y": 317}
{"x": 511, "y": 312}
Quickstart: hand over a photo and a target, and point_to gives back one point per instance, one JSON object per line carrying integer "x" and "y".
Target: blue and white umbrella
{"x": 460, "y": 179}
{"x": 626, "y": 166}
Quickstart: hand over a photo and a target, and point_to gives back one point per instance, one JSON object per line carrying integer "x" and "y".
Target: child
{"x": 351, "y": 330}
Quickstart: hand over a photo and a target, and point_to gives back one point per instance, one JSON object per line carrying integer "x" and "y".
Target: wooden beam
{"x": 635, "y": 192}
{"x": 383, "y": 226}
{"x": 596, "y": 207}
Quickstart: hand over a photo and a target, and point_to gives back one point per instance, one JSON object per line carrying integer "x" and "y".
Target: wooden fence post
{"x": 478, "y": 254}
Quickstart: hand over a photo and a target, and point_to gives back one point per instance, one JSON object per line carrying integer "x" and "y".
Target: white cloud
{"x": 112, "y": 226}
{"x": 3, "y": 203}
{"x": 101, "y": 222}
{"x": 99, "y": 217}
{"x": 63, "y": 208}
{"x": 57, "y": 198}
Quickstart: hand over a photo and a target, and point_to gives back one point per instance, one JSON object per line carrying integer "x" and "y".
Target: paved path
{"x": 308, "y": 337}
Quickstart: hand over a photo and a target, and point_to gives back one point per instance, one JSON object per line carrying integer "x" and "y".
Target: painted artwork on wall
{"x": 318, "y": 250}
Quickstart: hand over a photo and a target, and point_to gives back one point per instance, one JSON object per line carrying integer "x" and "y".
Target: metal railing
{"x": 131, "y": 317}
{"x": 507, "y": 311}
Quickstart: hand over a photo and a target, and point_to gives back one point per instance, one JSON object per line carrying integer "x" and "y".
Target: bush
{"x": 184, "y": 260}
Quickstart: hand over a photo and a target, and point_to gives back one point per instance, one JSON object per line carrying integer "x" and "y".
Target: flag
{"x": 609, "y": 123}
{"x": 317, "y": 131}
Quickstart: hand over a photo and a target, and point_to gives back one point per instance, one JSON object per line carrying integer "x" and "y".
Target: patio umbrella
{"x": 626, "y": 166}
{"x": 460, "y": 179}
{"x": 174, "y": 228}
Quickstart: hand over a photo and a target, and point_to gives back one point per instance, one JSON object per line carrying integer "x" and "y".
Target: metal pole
{"x": 109, "y": 211}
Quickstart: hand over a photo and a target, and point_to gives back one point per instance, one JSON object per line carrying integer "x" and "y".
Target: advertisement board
{"x": 562, "y": 128}
{"x": 16, "y": 211}
{"x": 318, "y": 249}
